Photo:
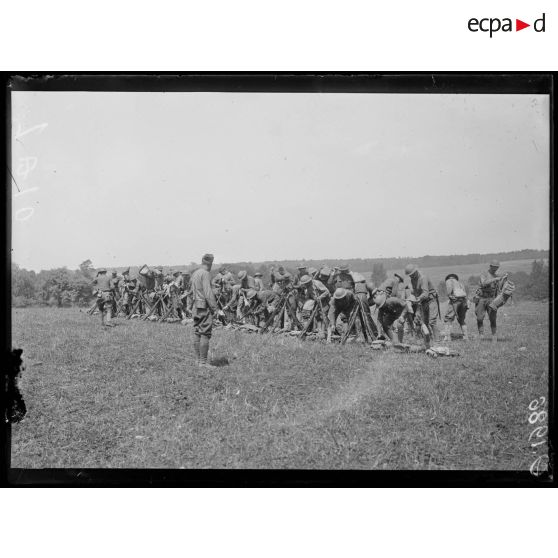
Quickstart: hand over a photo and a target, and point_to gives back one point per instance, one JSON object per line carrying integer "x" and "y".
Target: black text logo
{"x": 493, "y": 25}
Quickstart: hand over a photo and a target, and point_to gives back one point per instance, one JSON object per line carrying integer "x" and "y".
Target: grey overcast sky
{"x": 161, "y": 178}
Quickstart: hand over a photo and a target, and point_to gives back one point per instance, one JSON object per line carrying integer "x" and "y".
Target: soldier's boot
{"x": 480, "y": 327}
{"x": 465, "y": 333}
{"x": 109, "y": 317}
{"x": 204, "y": 350}
{"x": 197, "y": 348}
{"x": 435, "y": 332}
{"x": 447, "y": 332}
{"x": 400, "y": 332}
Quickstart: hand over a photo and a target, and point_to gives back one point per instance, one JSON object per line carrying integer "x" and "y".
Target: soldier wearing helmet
{"x": 262, "y": 303}
{"x": 427, "y": 296}
{"x": 391, "y": 311}
{"x": 342, "y": 278}
{"x": 281, "y": 279}
{"x": 341, "y": 304}
{"x": 489, "y": 283}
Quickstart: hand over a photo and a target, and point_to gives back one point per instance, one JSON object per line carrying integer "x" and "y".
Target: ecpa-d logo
{"x": 493, "y": 25}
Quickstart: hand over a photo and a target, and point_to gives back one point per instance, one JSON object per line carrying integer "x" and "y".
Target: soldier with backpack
{"x": 457, "y": 306}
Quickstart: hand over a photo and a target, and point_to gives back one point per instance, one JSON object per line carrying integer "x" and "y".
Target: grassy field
{"x": 131, "y": 397}
{"x": 439, "y": 273}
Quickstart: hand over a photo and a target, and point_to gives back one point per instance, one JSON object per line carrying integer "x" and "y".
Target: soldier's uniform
{"x": 486, "y": 293}
{"x": 262, "y": 303}
{"x": 217, "y": 281}
{"x": 427, "y": 296}
{"x": 316, "y": 291}
{"x": 363, "y": 291}
{"x": 344, "y": 279}
{"x": 457, "y": 305}
{"x": 205, "y": 305}
{"x": 115, "y": 288}
{"x": 392, "y": 286}
{"x": 246, "y": 281}
{"x": 175, "y": 290}
{"x": 186, "y": 297}
{"x": 324, "y": 276}
{"x": 258, "y": 282}
{"x": 391, "y": 310}
{"x": 342, "y": 303}
{"x": 282, "y": 282}
{"x": 103, "y": 288}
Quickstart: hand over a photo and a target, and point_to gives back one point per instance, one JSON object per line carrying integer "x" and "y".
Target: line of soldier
{"x": 327, "y": 297}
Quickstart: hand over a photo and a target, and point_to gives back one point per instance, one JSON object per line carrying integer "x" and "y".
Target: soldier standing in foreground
{"x": 205, "y": 305}
{"x": 488, "y": 289}
{"x": 457, "y": 306}
{"x": 103, "y": 288}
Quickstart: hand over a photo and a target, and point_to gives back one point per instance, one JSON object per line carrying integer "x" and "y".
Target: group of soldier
{"x": 325, "y": 303}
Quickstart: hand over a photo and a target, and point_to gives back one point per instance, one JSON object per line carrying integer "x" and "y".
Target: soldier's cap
{"x": 207, "y": 259}
{"x": 241, "y": 275}
{"x": 370, "y": 286}
{"x": 343, "y": 268}
{"x": 325, "y": 271}
{"x": 301, "y": 267}
{"x": 257, "y": 274}
{"x": 160, "y": 267}
{"x": 312, "y": 271}
{"x": 494, "y": 263}
{"x": 133, "y": 280}
{"x": 450, "y": 275}
{"x": 113, "y": 272}
{"x": 280, "y": 269}
{"x": 177, "y": 273}
{"x": 222, "y": 269}
{"x": 101, "y": 270}
{"x": 126, "y": 272}
{"x": 399, "y": 277}
{"x": 250, "y": 294}
{"x": 306, "y": 279}
{"x": 410, "y": 269}
{"x": 339, "y": 293}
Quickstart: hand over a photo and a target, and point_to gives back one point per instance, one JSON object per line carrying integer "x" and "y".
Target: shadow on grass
{"x": 219, "y": 361}
{"x": 500, "y": 339}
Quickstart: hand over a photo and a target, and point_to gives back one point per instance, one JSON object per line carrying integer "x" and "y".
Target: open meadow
{"x": 131, "y": 396}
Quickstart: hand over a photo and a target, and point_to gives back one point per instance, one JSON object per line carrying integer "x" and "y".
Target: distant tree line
{"x": 365, "y": 265}
{"x": 53, "y": 287}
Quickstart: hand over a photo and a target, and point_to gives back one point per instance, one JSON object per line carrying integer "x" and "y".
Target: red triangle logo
{"x": 519, "y": 25}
